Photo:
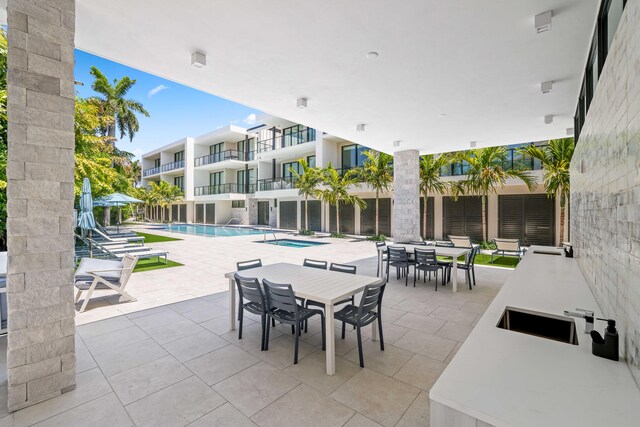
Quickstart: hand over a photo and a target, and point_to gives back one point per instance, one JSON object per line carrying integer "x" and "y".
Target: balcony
{"x": 513, "y": 160}
{"x": 209, "y": 190}
{"x": 152, "y": 171}
{"x": 286, "y": 140}
{"x": 172, "y": 166}
{"x": 224, "y": 155}
{"x": 271, "y": 184}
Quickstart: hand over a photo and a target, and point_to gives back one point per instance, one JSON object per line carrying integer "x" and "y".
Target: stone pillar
{"x": 406, "y": 195}
{"x": 41, "y": 353}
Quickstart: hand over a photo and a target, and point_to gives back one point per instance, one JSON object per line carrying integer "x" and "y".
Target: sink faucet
{"x": 581, "y": 313}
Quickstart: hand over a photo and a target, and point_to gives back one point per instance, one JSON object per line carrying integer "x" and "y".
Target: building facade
{"x": 235, "y": 175}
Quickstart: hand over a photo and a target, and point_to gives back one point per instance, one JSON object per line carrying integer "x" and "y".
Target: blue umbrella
{"x": 116, "y": 199}
{"x": 86, "y": 221}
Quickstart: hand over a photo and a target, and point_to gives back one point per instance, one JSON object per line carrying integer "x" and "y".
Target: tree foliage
{"x": 377, "y": 172}
{"x": 335, "y": 190}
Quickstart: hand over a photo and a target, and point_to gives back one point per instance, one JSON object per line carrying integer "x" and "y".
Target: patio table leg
{"x": 232, "y": 305}
{"x": 374, "y": 330}
{"x": 330, "y": 339}
{"x": 380, "y": 268}
{"x": 454, "y": 274}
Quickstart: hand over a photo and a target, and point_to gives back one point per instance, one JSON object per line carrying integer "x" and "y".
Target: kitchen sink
{"x": 543, "y": 325}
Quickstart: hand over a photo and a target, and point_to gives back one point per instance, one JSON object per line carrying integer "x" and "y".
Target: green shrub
{"x": 377, "y": 238}
{"x": 338, "y": 235}
{"x": 488, "y": 245}
{"x": 306, "y": 232}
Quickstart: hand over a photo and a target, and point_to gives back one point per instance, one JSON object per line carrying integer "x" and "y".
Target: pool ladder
{"x": 264, "y": 235}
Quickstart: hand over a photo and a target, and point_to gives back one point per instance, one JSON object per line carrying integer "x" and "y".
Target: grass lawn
{"x": 154, "y": 264}
{"x": 155, "y": 238}
{"x": 501, "y": 261}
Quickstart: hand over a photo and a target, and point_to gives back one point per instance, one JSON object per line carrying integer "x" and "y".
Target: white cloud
{"x": 250, "y": 119}
{"x": 157, "y": 89}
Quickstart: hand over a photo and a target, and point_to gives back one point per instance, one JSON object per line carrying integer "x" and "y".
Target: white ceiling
{"x": 479, "y": 62}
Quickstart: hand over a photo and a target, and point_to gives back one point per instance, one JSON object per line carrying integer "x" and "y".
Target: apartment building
{"x": 243, "y": 176}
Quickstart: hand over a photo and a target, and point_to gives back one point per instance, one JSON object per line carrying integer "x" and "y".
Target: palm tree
{"x": 485, "y": 174}
{"x": 555, "y": 158}
{"x": 115, "y": 105}
{"x": 377, "y": 171}
{"x": 166, "y": 194}
{"x": 307, "y": 185}
{"x": 430, "y": 180}
{"x": 334, "y": 190}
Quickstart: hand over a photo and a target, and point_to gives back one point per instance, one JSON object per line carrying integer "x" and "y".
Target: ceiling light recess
{"x": 548, "y": 119}
{"x": 545, "y": 87}
{"x": 543, "y": 21}
{"x": 198, "y": 59}
{"x": 570, "y": 131}
{"x": 360, "y": 127}
{"x": 372, "y": 55}
{"x": 301, "y": 103}
{"x": 396, "y": 143}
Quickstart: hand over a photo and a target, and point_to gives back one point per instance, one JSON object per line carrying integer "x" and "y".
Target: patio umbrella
{"x": 118, "y": 200}
{"x": 86, "y": 221}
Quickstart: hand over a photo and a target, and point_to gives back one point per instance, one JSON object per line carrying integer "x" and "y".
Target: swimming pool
{"x": 292, "y": 243}
{"x": 213, "y": 230}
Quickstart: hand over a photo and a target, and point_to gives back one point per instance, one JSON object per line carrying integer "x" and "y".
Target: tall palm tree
{"x": 430, "y": 180}
{"x": 377, "y": 171}
{"x": 307, "y": 184}
{"x": 485, "y": 174}
{"x": 555, "y": 158}
{"x": 335, "y": 188}
{"x": 115, "y": 105}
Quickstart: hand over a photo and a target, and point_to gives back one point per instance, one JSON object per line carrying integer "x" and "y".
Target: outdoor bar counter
{"x": 506, "y": 378}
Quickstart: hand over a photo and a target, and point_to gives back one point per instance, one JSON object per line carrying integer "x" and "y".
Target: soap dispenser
{"x": 606, "y": 347}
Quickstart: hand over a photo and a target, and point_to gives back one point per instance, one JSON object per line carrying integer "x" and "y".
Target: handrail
{"x": 173, "y": 165}
{"x": 264, "y": 235}
{"x": 229, "y": 222}
{"x": 151, "y": 171}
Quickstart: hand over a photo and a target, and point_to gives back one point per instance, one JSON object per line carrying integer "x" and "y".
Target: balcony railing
{"x": 513, "y": 160}
{"x": 224, "y": 155}
{"x": 271, "y": 184}
{"x": 209, "y": 190}
{"x": 172, "y": 166}
{"x": 151, "y": 171}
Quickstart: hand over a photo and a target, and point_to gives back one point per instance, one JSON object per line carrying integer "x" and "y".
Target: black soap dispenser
{"x": 606, "y": 347}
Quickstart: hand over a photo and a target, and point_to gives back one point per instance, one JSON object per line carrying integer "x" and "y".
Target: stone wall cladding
{"x": 406, "y": 195}
{"x": 605, "y": 188}
{"x": 41, "y": 354}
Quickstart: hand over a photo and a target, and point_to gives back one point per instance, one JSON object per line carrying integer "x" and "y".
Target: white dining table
{"x": 325, "y": 286}
{"x": 455, "y": 253}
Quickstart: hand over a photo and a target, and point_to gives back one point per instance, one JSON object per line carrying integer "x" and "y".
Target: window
{"x": 286, "y": 169}
{"x": 156, "y": 163}
{"x": 353, "y": 156}
{"x": 178, "y": 156}
{"x": 608, "y": 20}
{"x": 311, "y": 161}
{"x": 215, "y": 178}
{"x": 216, "y": 148}
{"x": 240, "y": 176}
{"x": 297, "y": 135}
{"x": 237, "y": 203}
{"x": 178, "y": 181}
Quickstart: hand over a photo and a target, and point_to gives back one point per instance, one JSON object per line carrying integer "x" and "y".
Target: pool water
{"x": 291, "y": 243}
{"x": 213, "y": 230}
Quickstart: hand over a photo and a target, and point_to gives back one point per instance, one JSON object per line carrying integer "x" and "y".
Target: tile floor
{"x": 168, "y": 359}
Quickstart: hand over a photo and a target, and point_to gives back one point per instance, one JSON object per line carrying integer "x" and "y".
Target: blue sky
{"x": 176, "y": 110}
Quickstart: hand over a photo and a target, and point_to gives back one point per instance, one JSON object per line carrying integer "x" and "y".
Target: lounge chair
{"x": 461, "y": 241}
{"x": 95, "y": 274}
{"x": 132, "y": 239}
{"x": 123, "y": 232}
{"x": 507, "y": 247}
{"x": 117, "y": 252}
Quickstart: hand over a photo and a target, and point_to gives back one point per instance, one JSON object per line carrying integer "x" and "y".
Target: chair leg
{"x": 469, "y": 278}
{"x": 360, "y": 347}
{"x": 473, "y": 273}
{"x": 263, "y": 323}
{"x": 87, "y": 297}
{"x": 266, "y": 338}
{"x": 240, "y": 318}
{"x": 343, "y": 329}
{"x": 297, "y": 339}
{"x": 273, "y": 322}
{"x": 380, "y": 333}
{"x": 436, "y": 274}
{"x": 415, "y": 273}
{"x": 78, "y": 295}
{"x": 406, "y": 277}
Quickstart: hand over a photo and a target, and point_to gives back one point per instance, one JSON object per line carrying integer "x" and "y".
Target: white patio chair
{"x": 117, "y": 239}
{"x": 507, "y": 247}
{"x": 95, "y": 274}
{"x": 461, "y": 241}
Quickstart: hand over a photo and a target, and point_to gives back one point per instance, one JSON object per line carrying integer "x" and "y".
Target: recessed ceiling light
{"x": 198, "y": 59}
{"x": 548, "y": 119}
{"x": 545, "y": 87}
{"x": 543, "y": 21}
{"x": 301, "y": 103}
{"x": 396, "y": 143}
{"x": 360, "y": 127}
{"x": 442, "y": 115}
{"x": 473, "y": 144}
{"x": 372, "y": 55}
{"x": 570, "y": 131}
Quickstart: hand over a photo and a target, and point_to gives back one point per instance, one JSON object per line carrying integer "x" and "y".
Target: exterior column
{"x": 40, "y": 195}
{"x": 437, "y": 216}
{"x": 406, "y": 195}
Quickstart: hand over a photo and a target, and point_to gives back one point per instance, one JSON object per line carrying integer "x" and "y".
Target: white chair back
{"x": 461, "y": 241}
{"x": 511, "y": 245}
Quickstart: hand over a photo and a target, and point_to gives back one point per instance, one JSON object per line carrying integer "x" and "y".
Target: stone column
{"x": 41, "y": 353}
{"x": 406, "y": 195}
